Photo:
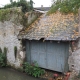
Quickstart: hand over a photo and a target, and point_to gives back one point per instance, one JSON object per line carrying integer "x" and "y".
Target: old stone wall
{"x": 9, "y": 30}
{"x": 74, "y": 59}
{"x": 8, "y": 39}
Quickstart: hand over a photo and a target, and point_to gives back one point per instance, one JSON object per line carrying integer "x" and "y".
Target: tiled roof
{"x": 56, "y": 26}
{"x": 42, "y": 8}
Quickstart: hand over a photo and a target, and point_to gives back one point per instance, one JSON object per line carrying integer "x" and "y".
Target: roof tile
{"x": 56, "y": 26}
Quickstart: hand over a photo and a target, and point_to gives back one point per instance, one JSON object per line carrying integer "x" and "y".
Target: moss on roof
{"x": 55, "y": 26}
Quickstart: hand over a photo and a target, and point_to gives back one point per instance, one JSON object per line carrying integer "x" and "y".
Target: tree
{"x": 31, "y": 4}
{"x": 21, "y": 3}
{"x": 11, "y": 1}
{"x": 24, "y": 5}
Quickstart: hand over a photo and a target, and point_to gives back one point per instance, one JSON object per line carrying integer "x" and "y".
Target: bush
{"x": 3, "y": 59}
{"x": 33, "y": 69}
{"x": 76, "y": 77}
{"x": 22, "y": 3}
{"x": 65, "y": 6}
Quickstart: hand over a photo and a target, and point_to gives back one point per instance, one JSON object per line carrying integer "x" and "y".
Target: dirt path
{"x": 10, "y": 74}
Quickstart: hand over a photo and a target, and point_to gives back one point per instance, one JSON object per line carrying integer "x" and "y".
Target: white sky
{"x": 38, "y": 3}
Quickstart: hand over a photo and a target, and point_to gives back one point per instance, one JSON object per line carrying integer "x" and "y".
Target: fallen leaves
{"x": 54, "y": 24}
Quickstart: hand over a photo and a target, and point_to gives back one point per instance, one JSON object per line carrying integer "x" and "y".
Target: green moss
{"x": 3, "y": 14}
{"x": 24, "y": 20}
{"x": 14, "y": 15}
{"x": 9, "y": 14}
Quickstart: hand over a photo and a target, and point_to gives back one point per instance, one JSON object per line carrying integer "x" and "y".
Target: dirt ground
{"x": 52, "y": 75}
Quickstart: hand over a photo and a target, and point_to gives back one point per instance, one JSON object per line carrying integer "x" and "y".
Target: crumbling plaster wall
{"x": 8, "y": 39}
{"x": 74, "y": 57}
{"x": 74, "y": 51}
{"x": 9, "y": 31}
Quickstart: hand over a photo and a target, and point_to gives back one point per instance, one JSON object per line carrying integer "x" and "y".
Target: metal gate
{"x": 49, "y": 55}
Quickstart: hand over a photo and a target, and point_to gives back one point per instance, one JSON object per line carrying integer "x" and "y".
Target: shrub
{"x": 0, "y": 50}
{"x": 65, "y": 6}
{"x": 3, "y": 59}
{"x": 21, "y": 3}
{"x": 33, "y": 69}
{"x": 5, "y": 51}
{"x": 76, "y": 77}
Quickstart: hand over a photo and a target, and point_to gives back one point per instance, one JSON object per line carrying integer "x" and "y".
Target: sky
{"x": 38, "y": 3}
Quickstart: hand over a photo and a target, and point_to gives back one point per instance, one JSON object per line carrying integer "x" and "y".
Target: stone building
{"x": 12, "y": 21}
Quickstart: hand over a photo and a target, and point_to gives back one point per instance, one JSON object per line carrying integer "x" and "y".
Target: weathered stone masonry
{"x": 9, "y": 30}
{"x": 8, "y": 39}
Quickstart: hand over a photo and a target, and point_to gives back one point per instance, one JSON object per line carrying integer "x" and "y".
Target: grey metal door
{"x": 28, "y": 51}
{"x": 38, "y": 54}
{"x": 57, "y": 56}
{"x": 53, "y": 56}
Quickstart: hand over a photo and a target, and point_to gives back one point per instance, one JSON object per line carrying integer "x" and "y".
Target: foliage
{"x": 11, "y": 1}
{"x": 24, "y": 4}
{"x": 76, "y": 77}
{"x": 5, "y": 55}
{"x": 31, "y": 4}
{"x": 24, "y": 21}
{"x": 15, "y": 51}
{"x": 2, "y": 59}
{"x": 13, "y": 15}
{"x": 0, "y": 50}
{"x": 65, "y": 6}
{"x": 21, "y": 3}
{"x": 4, "y": 14}
{"x": 33, "y": 69}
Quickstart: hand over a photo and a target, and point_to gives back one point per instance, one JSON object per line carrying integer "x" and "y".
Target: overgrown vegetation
{"x": 14, "y": 15}
{"x": 3, "y": 58}
{"x": 65, "y": 6}
{"x": 76, "y": 77}
{"x": 33, "y": 69}
{"x": 7, "y": 14}
{"x": 26, "y": 5}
